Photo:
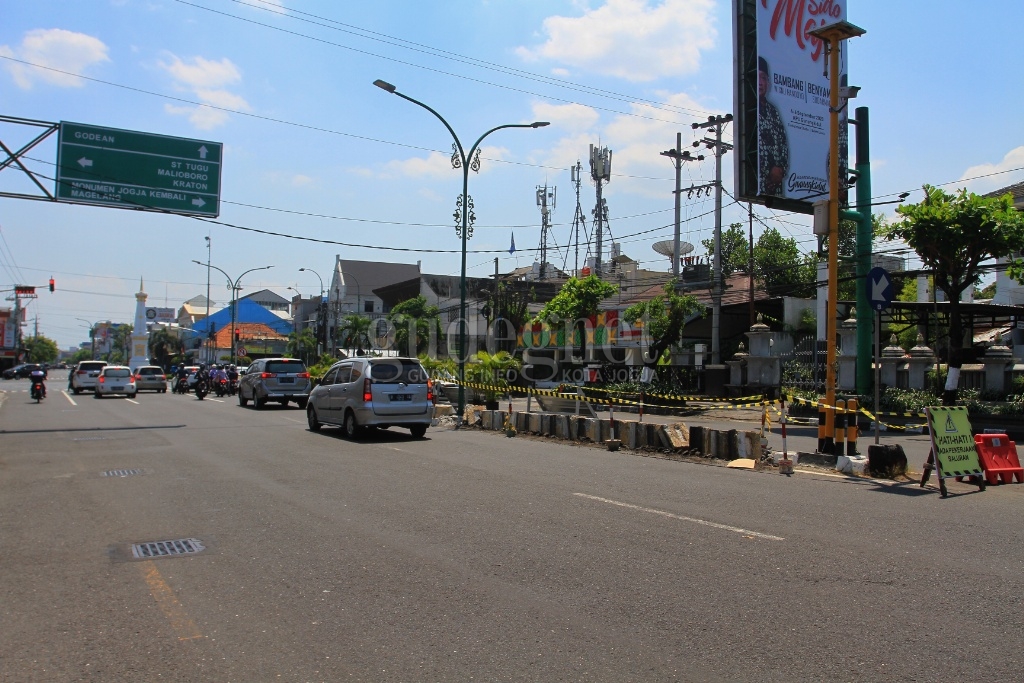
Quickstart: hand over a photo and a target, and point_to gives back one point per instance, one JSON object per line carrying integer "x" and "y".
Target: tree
{"x": 355, "y": 331}
{"x": 735, "y": 249}
{"x": 578, "y": 299}
{"x": 781, "y": 268}
{"x": 121, "y": 343}
{"x": 415, "y": 314}
{"x": 953, "y": 235}
{"x": 664, "y": 318}
{"x": 40, "y": 349}
{"x": 302, "y": 344}
{"x": 164, "y": 345}
{"x": 509, "y": 304}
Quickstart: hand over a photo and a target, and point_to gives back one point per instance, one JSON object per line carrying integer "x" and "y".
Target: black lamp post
{"x": 463, "y": 213}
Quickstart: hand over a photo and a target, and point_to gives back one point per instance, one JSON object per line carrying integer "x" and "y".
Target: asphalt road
{"x": 470, "y": 556}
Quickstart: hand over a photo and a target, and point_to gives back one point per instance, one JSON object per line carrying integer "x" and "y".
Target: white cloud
{"x": 207, "y": 80}
{"x": 58, "y": 49}
{"x": 636, "y": 40}
{"x": 435, "y": 165}
{"x": 636, "y": 142}
{"x": 1013, "y": 159}
{"x": 573, "y": 117}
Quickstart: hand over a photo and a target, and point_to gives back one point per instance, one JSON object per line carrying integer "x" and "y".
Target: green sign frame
{"x": 133, "y": 170}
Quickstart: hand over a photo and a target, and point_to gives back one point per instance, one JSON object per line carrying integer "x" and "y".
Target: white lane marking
{"x": 132, "y": 400}
{"x": 292, "y": 419}
{"x": 218, "y": 400}
{"x": 716, "y": 525}
{"x": 68, "y": 397}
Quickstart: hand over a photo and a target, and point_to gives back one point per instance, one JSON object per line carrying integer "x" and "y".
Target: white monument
{"x": 140, "y": 335}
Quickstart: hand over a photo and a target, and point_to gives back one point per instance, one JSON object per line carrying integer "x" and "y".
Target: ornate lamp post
{"x": 234, "y": 286}
{"x": 463, "y": 213}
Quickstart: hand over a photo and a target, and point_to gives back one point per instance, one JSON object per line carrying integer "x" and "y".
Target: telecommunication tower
{"x": 546, "y": 201}
{"x": 600, "y": 173}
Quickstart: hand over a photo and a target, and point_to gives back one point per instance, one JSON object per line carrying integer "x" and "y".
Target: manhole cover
{"x": 182, "y": 546}
{"x": 121, "y": 473}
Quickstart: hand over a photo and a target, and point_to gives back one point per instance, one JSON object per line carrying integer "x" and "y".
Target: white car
{"x": 83, "y": 376}
{"x": 115, "y": 379}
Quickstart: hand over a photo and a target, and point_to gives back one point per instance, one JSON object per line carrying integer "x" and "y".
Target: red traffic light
{"x": 238, "y": 335}
{"x": 51, "y": 284}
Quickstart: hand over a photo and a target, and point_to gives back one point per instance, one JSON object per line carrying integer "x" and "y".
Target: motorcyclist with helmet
{"x": 38, "y": 376}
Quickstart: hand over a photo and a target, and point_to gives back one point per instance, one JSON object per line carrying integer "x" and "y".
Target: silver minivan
{"x": 357, "y": 393}
{"x": 274, "y": 379}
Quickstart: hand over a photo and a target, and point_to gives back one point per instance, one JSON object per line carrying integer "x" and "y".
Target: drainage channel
{"x": 181, "y": 546}
{"x": 120, "y": 473}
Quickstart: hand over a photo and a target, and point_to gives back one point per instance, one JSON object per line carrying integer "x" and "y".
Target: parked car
{"x": 83, "y": 377}
{"x": 275, "y": 379}
{"x": 357, "y": 393}
{"x": 151, "y": 378}
{"x": 22, "y": 371}
{"x": 115, "y": 379}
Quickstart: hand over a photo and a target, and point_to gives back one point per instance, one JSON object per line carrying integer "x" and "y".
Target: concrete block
{"x": 660, "y": 438}
{"x": 631, "y": 437}
{"x": 679, "y": 435}
{"x": 562, "y": 427}
{"x": 534, "y": 424}
{"x": 547, "y": 425}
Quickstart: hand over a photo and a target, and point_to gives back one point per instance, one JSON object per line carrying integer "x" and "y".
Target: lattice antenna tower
{"x": 579, "y": 220}
{"x": 600, "y": 173}
{"x": 546, "y": 197}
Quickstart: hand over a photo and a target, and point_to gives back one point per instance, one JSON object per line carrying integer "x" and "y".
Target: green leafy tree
{"x": 735, "y": 249}
{"x": 508, "y": 303}
{"x": 664, "y": 318}
{"x": 164, "y": 345}
{"x": 578, "y": 299}
{"x": 302, "y": 344}
{"x": 415, "y": 314}
{"x": 120, "y": 344}
{"x": 781, "y": 268}
{"x": 80, "y": 355}
{"x": 40, "y": 349}
{"x": 355, "y": 331}
{"x": 953, "y": 235}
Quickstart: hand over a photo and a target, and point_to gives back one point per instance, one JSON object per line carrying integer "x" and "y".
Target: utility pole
{"x": 719, "y": 148}
{"x": 546, "y": 202}
{"x": 600, "y": 173}
{"x": 678, "y": 156}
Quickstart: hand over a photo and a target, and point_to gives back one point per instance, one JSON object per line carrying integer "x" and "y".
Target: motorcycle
{"x": 202, "y": 389}
{"x": 37, "y": 391}
{"x": 232, "y": 387}
{"x": 221, "y": 388}
{"x": 181, "y": 386}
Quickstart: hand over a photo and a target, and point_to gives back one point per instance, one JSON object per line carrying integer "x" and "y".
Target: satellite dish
{"x": 665, "y": 248}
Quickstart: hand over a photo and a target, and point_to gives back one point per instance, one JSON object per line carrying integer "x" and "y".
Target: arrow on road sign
{"x": 878, "y": 288}
{"x": 198, "y": 202}
{"x": 202, "y": 152}
{"x": 85, "y": 163}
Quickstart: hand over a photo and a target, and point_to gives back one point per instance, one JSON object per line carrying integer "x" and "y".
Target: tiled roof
{"x": 1017, "y": 190}
{"x": 246, "y": 331}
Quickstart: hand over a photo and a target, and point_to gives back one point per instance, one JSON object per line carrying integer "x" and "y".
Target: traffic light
{"x": 51, "y": 284}
{"x": 238, "y": 335}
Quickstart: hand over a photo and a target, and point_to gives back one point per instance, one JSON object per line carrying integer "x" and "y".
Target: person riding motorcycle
{"x": 182, "y": 378}
{"x": 202, "y": 386}
{"x": 38, "y": 376}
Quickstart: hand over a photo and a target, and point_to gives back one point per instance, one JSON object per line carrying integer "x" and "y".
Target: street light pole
{"x": 92, "y": 335}
{"x": 234, "y": 288}
{"x": 831, "y": 35}
{"x": 464, "y": 211}
{"x": 319, "y": 309}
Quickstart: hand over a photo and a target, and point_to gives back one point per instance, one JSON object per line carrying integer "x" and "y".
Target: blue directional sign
{"x": 879, "y": 286}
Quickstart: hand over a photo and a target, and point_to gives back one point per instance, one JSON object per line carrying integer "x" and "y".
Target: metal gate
{"x": 806, "y": 365}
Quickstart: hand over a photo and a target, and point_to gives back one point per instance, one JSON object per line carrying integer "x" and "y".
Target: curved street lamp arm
{"x": 246, "y": 273}
{"x": 535, "y": 124}
{"x": 458, "y": 143}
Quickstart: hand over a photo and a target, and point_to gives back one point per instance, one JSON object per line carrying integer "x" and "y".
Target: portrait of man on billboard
{"x": 772, "y": 141}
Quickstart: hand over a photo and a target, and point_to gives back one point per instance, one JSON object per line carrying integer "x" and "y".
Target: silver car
{"x": 373, "y": 392}
{"x": 274, "y": 379}
{"x": 151, "y": 377}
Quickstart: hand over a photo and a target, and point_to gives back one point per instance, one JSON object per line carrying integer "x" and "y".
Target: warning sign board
{"x": 953, "y": 442}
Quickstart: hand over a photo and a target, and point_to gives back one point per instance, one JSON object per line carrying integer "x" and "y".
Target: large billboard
{"x": 782, "y": 102}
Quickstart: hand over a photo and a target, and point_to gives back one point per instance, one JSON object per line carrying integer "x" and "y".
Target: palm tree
{"x": 355, "y": 331}
{"x": 302, "y": 343}
{"x": 163, "y": 346}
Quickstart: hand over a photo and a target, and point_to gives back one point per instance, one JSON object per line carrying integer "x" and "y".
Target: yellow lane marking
{"x": 184, "y": 627}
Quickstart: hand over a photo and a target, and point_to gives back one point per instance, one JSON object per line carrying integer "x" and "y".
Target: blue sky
{"x": 313, "y": 150}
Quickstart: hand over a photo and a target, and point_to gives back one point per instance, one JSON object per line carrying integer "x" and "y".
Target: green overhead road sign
{"x": 129, "y": 169}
